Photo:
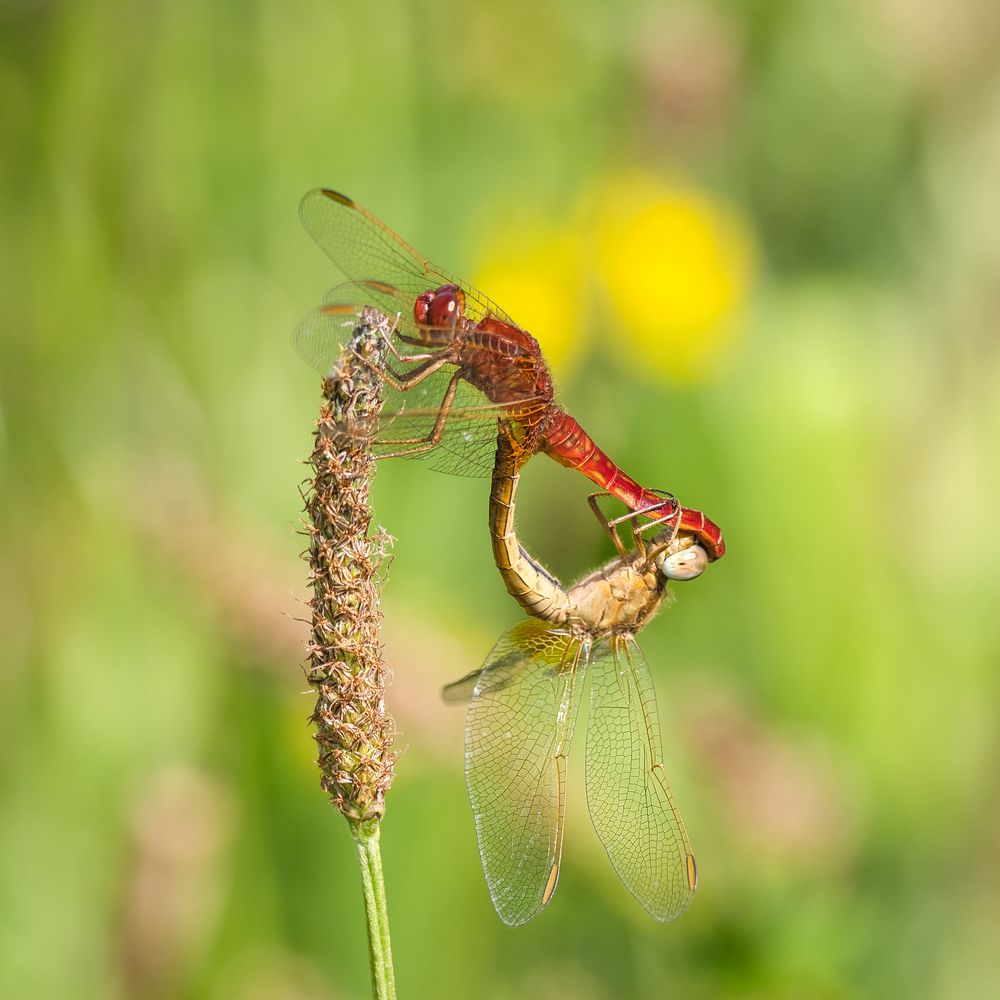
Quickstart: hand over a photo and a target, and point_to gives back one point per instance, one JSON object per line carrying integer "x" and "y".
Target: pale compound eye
{"x": 686, "y": 564}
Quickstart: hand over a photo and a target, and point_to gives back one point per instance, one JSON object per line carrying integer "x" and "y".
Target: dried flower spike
{"x": 354, "y": 731}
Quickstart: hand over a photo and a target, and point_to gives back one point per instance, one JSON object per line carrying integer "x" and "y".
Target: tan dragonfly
{"x": 523, "y": 708}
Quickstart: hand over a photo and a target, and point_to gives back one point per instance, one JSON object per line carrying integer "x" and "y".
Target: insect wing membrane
{"x": 465, "y": 433}
{"x": 386, "y": 272}
{"x": 628, "y": 794}
{"x": 517, "y": 739}
{"x": 370, "y": 253}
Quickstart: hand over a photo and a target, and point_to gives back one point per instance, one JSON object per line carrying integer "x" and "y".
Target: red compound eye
{"x": 441, "y": 309}
{"x": 421, "y": 308}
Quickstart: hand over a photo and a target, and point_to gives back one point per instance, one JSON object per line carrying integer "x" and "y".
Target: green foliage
{"x": 828, "y": 690}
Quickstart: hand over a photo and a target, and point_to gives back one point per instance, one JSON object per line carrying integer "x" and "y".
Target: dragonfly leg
{"x": 672, "y": 516}
{"x": 610, "y": 527}
{"x": 427, "y": 363}
{"x": 655, "y": 513}
{"x": 393, "y": 334}
{"x": 640, "y": 521}
{"x": 427, "y": 367}
{"x": 407, "y": 339}
{"x": 409, "y": 358}
{"x": 430, "y": 441}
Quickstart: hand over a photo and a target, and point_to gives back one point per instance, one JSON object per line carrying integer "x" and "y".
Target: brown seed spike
{"x": 354, "y": 731}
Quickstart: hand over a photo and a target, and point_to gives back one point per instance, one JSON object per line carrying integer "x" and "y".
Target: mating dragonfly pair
{"x": 468, "y": 389}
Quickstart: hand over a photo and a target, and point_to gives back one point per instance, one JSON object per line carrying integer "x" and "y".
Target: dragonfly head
{"x": 683, "y": 563}
{"x": 440, "y": 309}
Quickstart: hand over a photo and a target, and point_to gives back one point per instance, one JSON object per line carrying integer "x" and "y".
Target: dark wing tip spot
{"x": 337, "y": 196}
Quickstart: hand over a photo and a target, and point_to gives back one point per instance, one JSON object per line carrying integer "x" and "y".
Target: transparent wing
{"x": 629, "y": 797}
{"x": 322, "y": 333}
{"x": 370, "y": 254}
{"x": 409, "y": 417}
{"x": 517, "y": 739}
{"x": 460, "y": 692}
{"x": 451, "y": 425}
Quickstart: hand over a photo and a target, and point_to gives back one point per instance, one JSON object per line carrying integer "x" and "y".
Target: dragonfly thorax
{"x": 620, "y": 597}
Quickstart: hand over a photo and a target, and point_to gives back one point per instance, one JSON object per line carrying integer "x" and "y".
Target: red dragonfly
{"x": 522, "y": 714}
{"x": 472, "y": 363}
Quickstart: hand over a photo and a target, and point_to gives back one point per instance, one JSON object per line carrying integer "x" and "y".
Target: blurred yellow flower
{"x": 677, "y": 267}
{"x": 535, "y": 273}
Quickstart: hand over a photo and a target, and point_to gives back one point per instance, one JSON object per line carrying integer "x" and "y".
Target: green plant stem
{"x": 366, "y": 836}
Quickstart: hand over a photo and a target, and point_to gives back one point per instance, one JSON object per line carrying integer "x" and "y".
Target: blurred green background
{"x": 758, "y": 241}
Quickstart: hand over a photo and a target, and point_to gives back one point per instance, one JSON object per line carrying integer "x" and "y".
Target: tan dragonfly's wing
{"x": 517, "y": 739}
{"x": 628, "y": 794}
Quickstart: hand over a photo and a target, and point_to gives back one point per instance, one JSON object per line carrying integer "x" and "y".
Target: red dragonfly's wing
{"x": 517, "y": 739}
{"x": 468, "y": 434}
{"x": 386, "y": 272}
{"x": 629, "y": 797}
{"x": 372, "y": 255}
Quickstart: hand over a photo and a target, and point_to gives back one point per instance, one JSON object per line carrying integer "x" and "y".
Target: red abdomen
{"x": 569, "y": 444}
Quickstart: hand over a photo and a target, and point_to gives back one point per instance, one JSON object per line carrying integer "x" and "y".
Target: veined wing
{"x": 382, "y": 262}
{"x": 517, "y": 739}
{"x": 321, "y": 334}
{"x": 629, "y": 797}
{"x": 388, "y": 273}
{"x": 467, "y": 432}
